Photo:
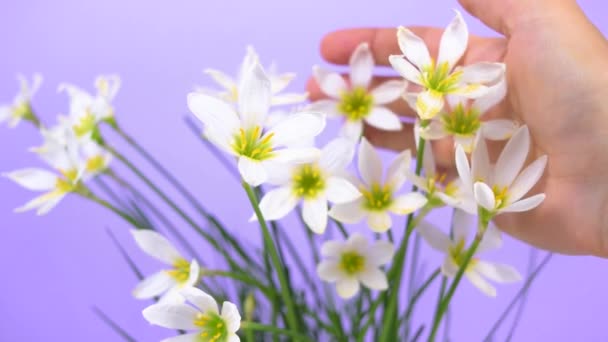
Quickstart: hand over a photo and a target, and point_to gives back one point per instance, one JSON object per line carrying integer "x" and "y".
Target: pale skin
{"x": 557, "y": 72}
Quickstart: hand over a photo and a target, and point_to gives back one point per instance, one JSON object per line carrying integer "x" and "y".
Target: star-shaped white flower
{"x": 356, "y": 101}
{"x": 441, "y": 77}
{"x": 278, "y": 82}
{"x": 201, "y": 316}
{"x": 243, "y": 132}
{"x": 500, "y": 188}
{"x": 455, "y": 250}
{"x": 354, "y": 261}
{"x": 314, "y": 184}
{"x": 182, "y": 274}
{"x": 21, "y": 108}
{"x": 461, "y": 119}
{"x": 379, "y": 193}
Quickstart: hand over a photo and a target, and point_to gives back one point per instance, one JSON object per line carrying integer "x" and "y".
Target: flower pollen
{"x": 356, "y": 104}
{"x": 501, "y": 195}
{"x": 352, "y": 262}
{"x": 308, "y": 181}
{"x": 458, "y": 253}
{"x": 180, "y": 271}
{"x": 213, "y": 327}
{"x": 439, "y": 79}
{"x": 461, "y": 121}
{"x": 250, "y": 143}
{"x": 377, "y": 197}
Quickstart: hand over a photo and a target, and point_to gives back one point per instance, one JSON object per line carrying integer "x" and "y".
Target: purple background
{"x": 55, "y": 268}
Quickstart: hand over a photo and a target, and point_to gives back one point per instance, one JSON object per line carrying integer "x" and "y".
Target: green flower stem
{"x": 86, "y": 193}
{"x": 445, "y": 302}
{"x": 414, "y": 299}
{"x": 396, "y": 272}
{"x": 271, "y": 249}
{"x": 341, "y": 229}
{"x": 273, "y": 330}
{"x": 113, "y": 325}
{"x": 243, "y": 278}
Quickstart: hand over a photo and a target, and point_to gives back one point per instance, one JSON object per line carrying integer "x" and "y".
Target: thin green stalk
{"x": 412, "y": 302}
{"x": 243, "y": 278}
{"x": 418, "y": 333}
{"x": 119, "y": 330}
{"x": 285, "y": 293}
{"x": 452, "y": 289}
{"x": 341, "y": 229}
{"x": 412, "y": 276}
{"x": 273, "y": 330}
{"x": 522, "y": 303}
{"x": 125, "y": 256}
{"x": 91, "y": 196}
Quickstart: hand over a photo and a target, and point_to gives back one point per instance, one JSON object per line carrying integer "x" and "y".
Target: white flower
{"x": 499, "y": 188}
{"x": 243, "y": 133}
{"x": 278, "y": 82}
{"x": 314, "y": 184}
{"x": 182, "y": 274}
{"x": 21, "y": 108}
{"x": 202, "y": 316}
{"x": 379, "y": 193}
{"x": 461, "y": 119}
{"x": 87, "y": 110}
{"x": 355, "y": 101}
{"x": 455, "y": 250}
{"x": 442, "y": 77}
{"x": 355, "y": 261}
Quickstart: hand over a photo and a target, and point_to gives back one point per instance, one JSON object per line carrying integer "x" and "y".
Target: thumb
{"x": 504, "y": 16}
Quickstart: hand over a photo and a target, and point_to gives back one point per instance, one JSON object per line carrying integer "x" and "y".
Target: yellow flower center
{"x": 68, "y": 183}
{"x": 180, "y": 271}
{"x": 250, "y": 143}
{"x": 23, "y": 110}
{"x": 458, "y": 253}
{"x": 501, "y": 194}
{"x": 213, "y": 327}
{"x": 308, "y": 181}
{"x": 85, "y": 125}
{"x": 439, "y": 79}
{"x": 461, "y": 121}
{"x": 377, "y": 197}
{"x": 356, "y": 104}
{"x": 352, "y": 263}
{"x": 96, "y": 164}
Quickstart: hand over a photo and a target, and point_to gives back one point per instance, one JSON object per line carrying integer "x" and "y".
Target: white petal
{"x": 388, "y": 91}
{"x": 352, "y": 130}
{"x": 34, "y": 179}
{"x": 251, "y": 57}
{"x": 463, "y": 222}
{"x": 525, "y": 204}
{"x": 467, "y": 142}
{"x": 480, "y": 162}
{"x": 462, "y": 166}
{"x": 222, "y": 79}
{"x": 347, "y": 288}
{"x": 279, "y": 82}
{"x": 5, "y": 113}
{"x": 512, "y": 157}
{"x": 357, "y": 242}
{"x": 193, "y": 337}
{"x": 414, "y": 48}
{"x": 483, "y": 73}
{"x": 331, "y": 83}
{"x": 492, "y": 239}
{"x": 234, "y": 338}
{"x": 172, "y": 296}
{"x": 429, "y": 104}
{"x": 254, "y": 96}
{"x": 383, "y": 118}
{"x": 333, "y": 248}
{"x": 314, "y": 213}
{"x": 398, "y": 169}
{"x": 484, "y": 196}
{"x": 351, "y": 212}
{"x": 296, "y": 155}
{"x": 252, "y": 171}
{"x": 448, "y": 267}
{"x": 328, "y": 107}
{"x": 361, "y": 66}
{"x": 437, "y": 239}
{"x": 47, "y": 206}
{"x": 373, "y": 278}
{"x": 481, "y": 283}
{"x": 288, "y": 98}
{"x": 172, "y": 316}
{"x": 297, "y": 127}
{"x": 380, "y": 253}
{"x": 277, "y": 203}
{"x": 499, "y": 273}
{"x": 494, "y": 95}
{"x": 527, "y": 179}
{"x": 329, "y": 271}
{"x": 337, "y": 155}
{"x": 40, "y": 201}
{"x": 232, "y": 317}
{"x": 499, "y": 129}
{"x": 379, "y": 222}
{"x": 405, "y": 69}
{"x": 453, "y": 42}
{"x": 153, "y": 285}
{"x": 433, "y": 131}
{"x": 340, "y": 190}
{"x": 408, "y": 203}
{"x": 369, "y": 163}
{"x": 410, "y": 99}
{"x": 156, "y": 245}
{"x": 214, "y": 113}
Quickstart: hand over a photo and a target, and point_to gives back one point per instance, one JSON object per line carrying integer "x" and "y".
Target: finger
{"x": 399, "y": 106}
{"x": 336, "y": 47}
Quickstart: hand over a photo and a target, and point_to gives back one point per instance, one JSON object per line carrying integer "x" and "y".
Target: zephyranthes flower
{"x": 278, "y": 82}
{"x": 379, "y": 193}
{"x": 499, "y": 188}
{"x": 182, "y": 274}
{"x": 314, "y": 184}
{"x": 355, "y": 100}
{"x": 455, "y": 250}
{"x": 461, "y": 119}
{"x": 243, "y": 133}
{"x": 21, "y": 108}
{"x": 355, "y": 261}
{"x": 441, "y": 77}
{"x": 202, "y": 316}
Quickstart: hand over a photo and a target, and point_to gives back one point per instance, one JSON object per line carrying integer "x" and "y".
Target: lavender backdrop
{"x": 55, "y": 268}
